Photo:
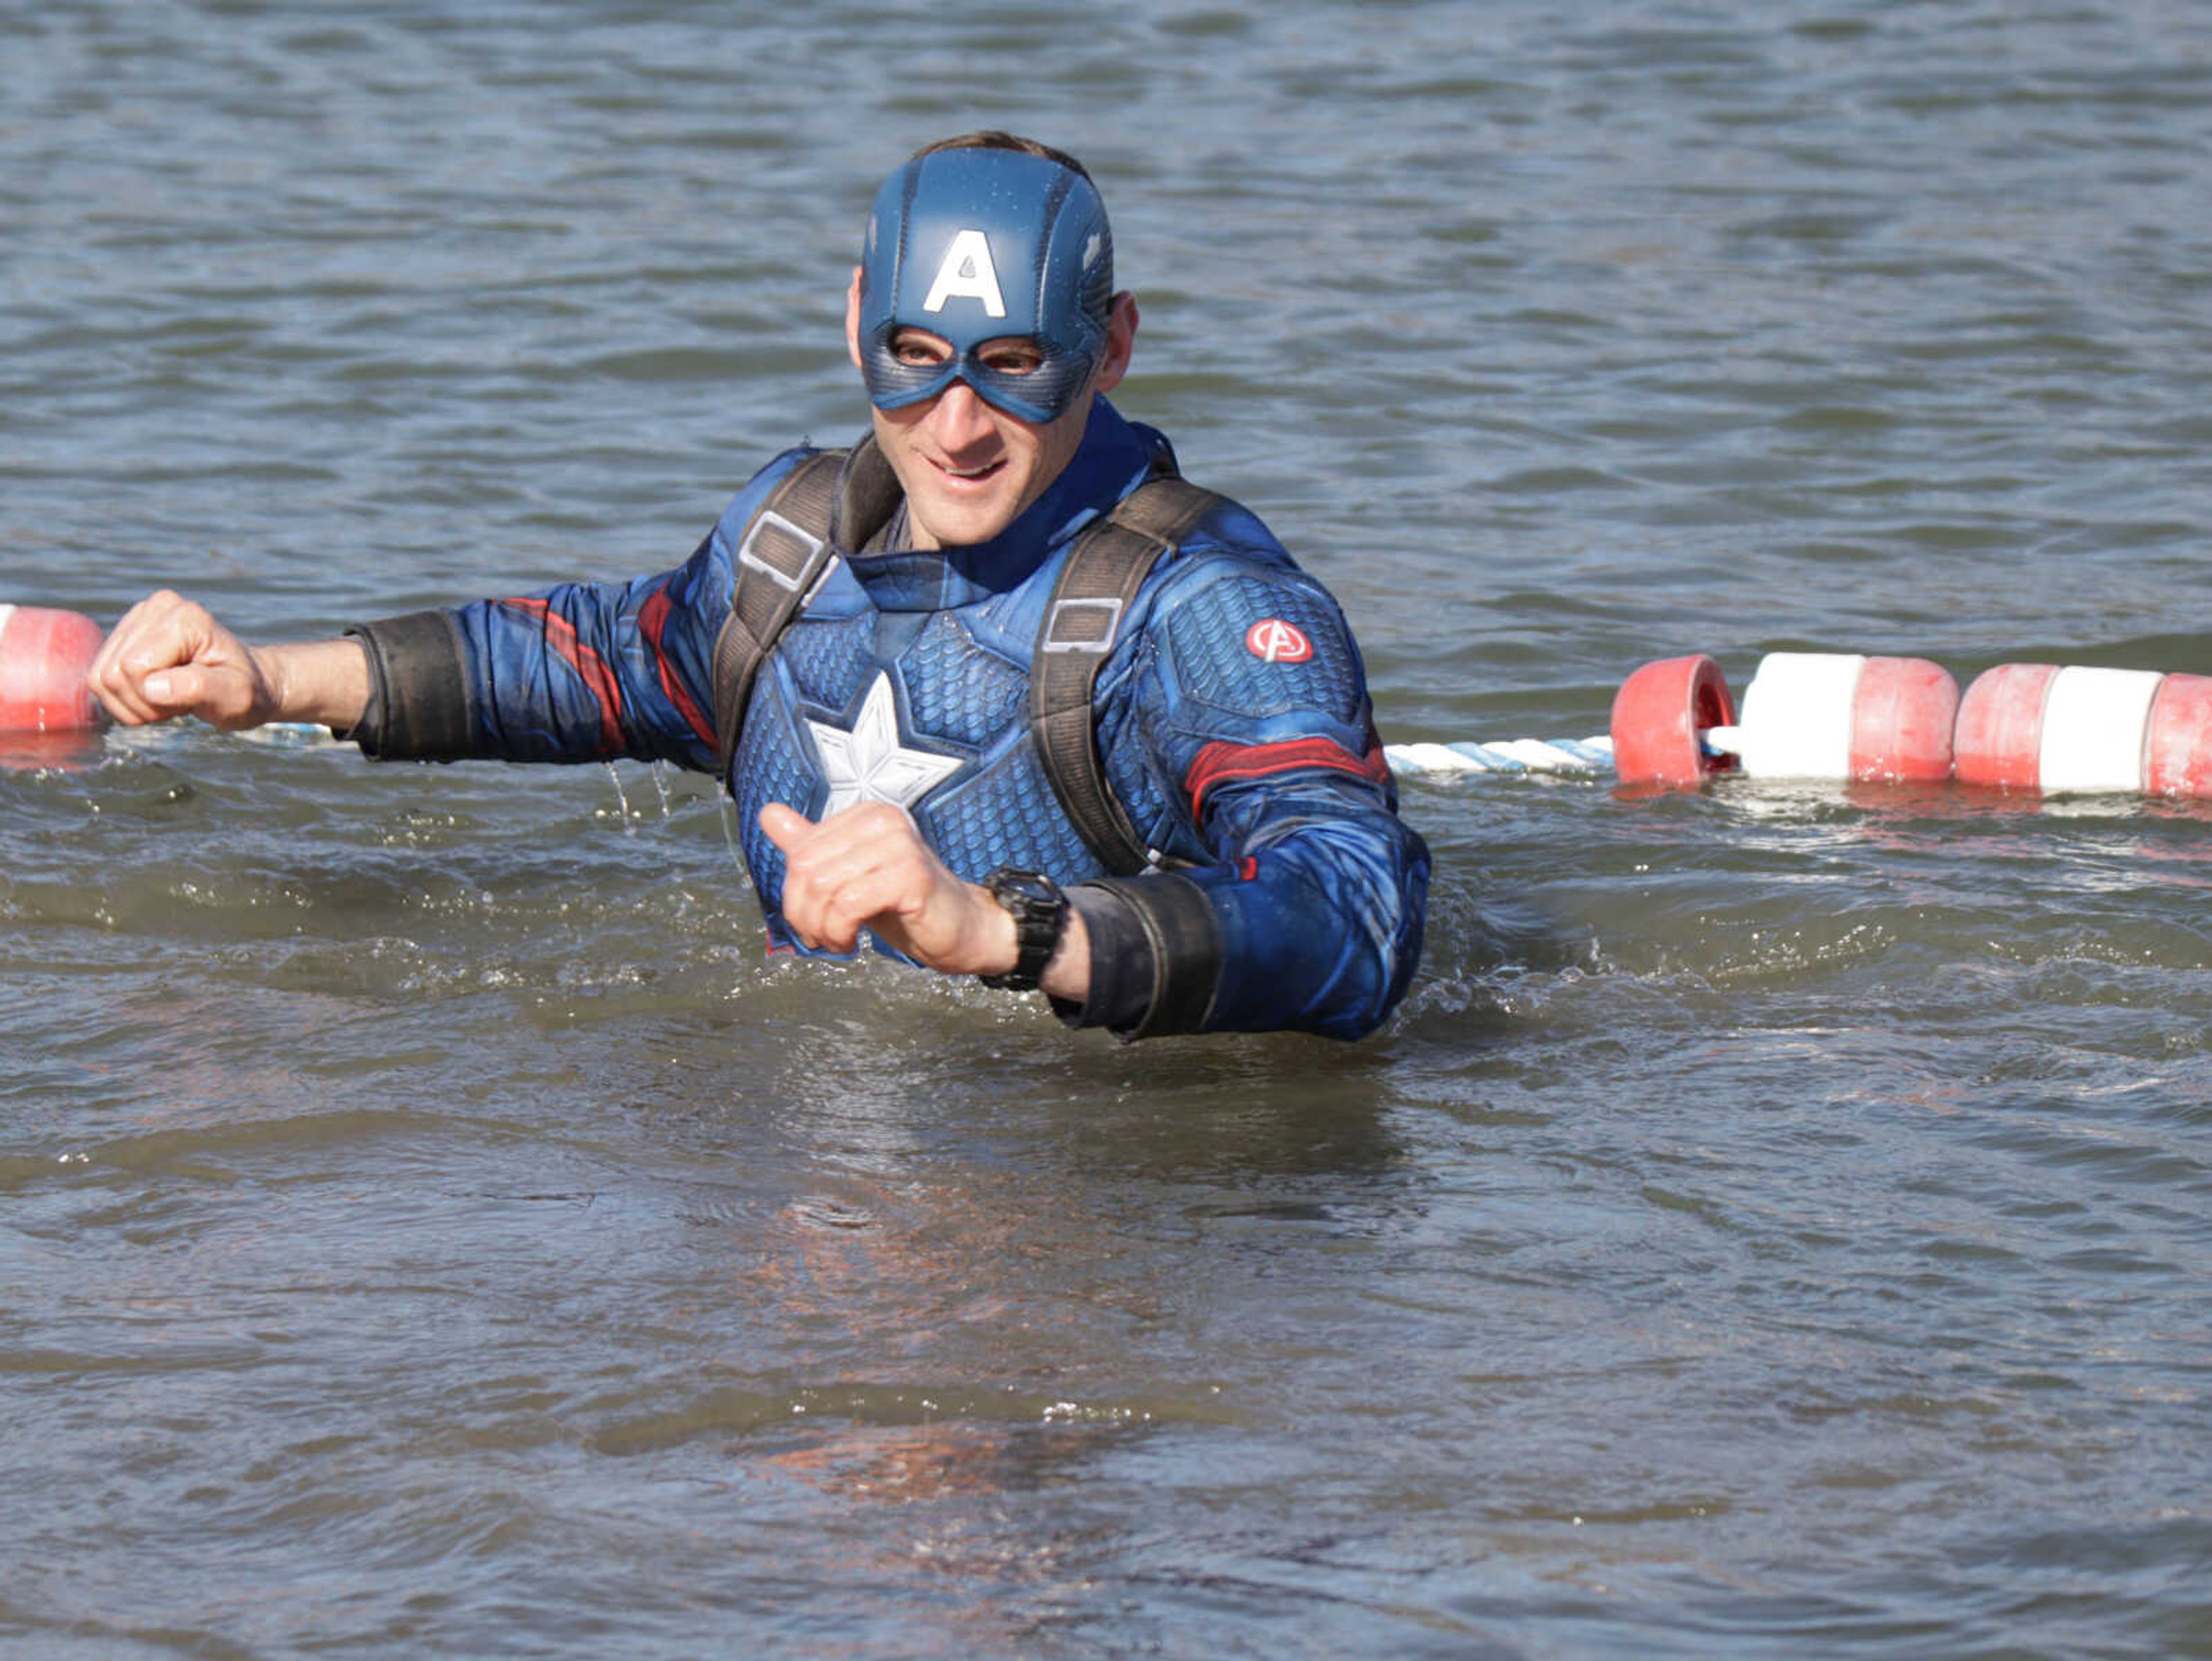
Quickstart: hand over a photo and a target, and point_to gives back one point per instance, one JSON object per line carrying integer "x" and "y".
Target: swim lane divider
{"x": 2033, "y": 728}
{"x": 2037, "y": 729}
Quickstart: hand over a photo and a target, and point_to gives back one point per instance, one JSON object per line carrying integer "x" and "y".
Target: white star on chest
{"x": 869, "y": 763}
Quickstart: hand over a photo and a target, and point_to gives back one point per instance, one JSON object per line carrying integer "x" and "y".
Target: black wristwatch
{"x": 1039, "y": 913}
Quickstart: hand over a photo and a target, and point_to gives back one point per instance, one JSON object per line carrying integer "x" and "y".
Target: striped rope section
{"x": 1584, "y": 756}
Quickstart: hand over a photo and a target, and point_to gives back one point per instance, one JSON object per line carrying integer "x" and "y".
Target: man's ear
{"x": 853, "y": 318}
{"x": 1120, "y": 341}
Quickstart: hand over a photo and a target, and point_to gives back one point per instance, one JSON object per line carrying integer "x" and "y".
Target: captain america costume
{"x": 1095, "y": 691}
{"x": 1232, "y": 718}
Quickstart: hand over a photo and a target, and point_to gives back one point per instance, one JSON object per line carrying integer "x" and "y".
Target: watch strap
{"x": 1040, "y": 913}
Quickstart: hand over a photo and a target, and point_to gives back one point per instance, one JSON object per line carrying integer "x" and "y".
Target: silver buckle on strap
{"x": 762, "y": 556}
{"x": 1079, "y": 625}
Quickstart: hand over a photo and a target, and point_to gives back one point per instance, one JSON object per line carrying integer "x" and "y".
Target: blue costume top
{"x": 1232, "y": 719}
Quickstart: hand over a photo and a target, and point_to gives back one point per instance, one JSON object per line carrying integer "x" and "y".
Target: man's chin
{"x": 961, "y": 524}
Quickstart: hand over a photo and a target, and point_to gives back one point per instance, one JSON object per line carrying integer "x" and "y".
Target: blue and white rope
{"x": 1585, "y": 757}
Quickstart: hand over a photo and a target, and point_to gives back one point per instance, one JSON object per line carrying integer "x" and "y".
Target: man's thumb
{"x": 786, "y": 826}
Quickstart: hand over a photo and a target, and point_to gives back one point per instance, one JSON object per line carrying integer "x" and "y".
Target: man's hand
{"x": 868, "y": 868}
{"x": 168, "y": 657}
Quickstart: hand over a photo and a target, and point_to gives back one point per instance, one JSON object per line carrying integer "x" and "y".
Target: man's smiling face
{"x": 971, "y": 469}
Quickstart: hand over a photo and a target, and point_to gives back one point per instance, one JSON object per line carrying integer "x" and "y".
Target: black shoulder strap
{"x": 1104, "y": 570}
{"x": 785, "y": 551}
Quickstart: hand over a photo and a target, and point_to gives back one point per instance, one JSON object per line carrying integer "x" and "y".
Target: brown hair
{"x": 991, "y": 139}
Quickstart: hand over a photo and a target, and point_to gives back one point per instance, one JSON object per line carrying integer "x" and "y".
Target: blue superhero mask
{"x": 975, "y": 246}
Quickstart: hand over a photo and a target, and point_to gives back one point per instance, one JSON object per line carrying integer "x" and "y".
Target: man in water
{"x": 995, "y": 686}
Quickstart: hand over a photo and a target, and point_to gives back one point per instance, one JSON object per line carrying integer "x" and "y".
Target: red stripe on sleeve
{"x": 599, "y": 680}
{"x": 653, "y": 622}
{"x": 1219, "y": 763}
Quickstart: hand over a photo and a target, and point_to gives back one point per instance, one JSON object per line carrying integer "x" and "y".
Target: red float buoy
{"x": 1658, "y": 717}
{"x": 1903, "y": 721}
{"x": 44, "y": 655}
{"x": 2178, "y": 748}
{"x": 1999, "y": 741}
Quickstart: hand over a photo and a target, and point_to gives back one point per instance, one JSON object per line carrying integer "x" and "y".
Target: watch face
{"x": 1026, "y": 885}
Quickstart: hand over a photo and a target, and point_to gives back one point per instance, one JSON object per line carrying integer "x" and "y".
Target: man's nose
{"x": 961, "y": 419}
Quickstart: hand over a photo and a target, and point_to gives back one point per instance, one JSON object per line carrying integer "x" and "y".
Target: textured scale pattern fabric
{"x": 959, "y": 691}
{"x": 1156, "y": 813}
{"x": 1207, "y": 635}
{"x": 1005, "y": 815}
{"x": 777, "y": 770}
{"x": 826, "y": 657}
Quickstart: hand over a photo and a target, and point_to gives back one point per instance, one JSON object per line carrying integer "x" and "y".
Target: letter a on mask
{"x": 966, "y": 272}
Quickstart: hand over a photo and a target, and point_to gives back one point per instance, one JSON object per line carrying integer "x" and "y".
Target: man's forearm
{"x": 325, "y": 682}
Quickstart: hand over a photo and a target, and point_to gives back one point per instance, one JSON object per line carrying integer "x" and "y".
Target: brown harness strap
{"x": 1104, "y": 570}
{"x": 784, "y": 553}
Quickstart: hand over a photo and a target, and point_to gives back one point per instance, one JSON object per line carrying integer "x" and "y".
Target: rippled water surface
{"x": 1776, "y": 1222}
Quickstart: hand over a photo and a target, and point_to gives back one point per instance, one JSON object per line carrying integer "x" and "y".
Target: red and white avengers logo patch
{"x": 1272, "y": 640}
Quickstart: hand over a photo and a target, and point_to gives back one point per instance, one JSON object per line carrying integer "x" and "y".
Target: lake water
{"x": 1778, "y": 1221}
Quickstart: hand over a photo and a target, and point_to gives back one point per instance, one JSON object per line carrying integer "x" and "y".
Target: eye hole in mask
{"x": 1033, "y": 384}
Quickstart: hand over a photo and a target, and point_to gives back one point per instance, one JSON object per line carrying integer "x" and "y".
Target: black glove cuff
{"x": 1157, "y": 961}
{"x": 418, "y": 701}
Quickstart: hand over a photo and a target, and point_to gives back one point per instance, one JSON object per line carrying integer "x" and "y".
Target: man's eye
{"x": 1014, "y": 361}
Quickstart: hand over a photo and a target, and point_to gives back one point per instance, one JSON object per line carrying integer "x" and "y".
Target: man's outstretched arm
{"x": 169, "y": 657}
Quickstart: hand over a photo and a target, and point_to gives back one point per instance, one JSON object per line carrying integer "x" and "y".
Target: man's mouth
{"x": 968, "y": 474}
